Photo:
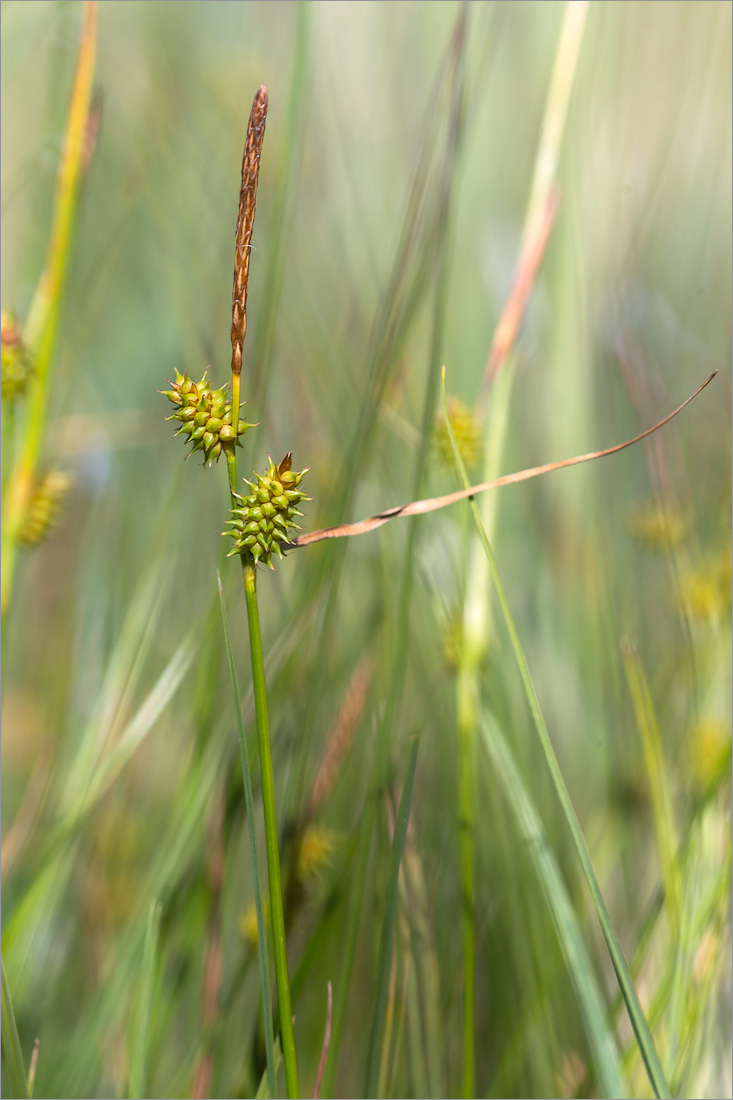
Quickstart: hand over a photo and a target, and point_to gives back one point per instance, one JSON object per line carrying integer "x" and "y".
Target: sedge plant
{"x": 262, "y": 524}
{"x": 143, "y": 994}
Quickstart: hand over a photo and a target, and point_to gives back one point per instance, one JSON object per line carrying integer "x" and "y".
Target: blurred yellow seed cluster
{"x": 454, "y": 641}
{"x": 15, "y": 361}
{"x": 710, "y": 751}
{"x": 316, "y": 847}
{"x": 706, "y": 590}
{"x": 659, "y": 528}
{"x": 467, "y": 431}
{"x": 248, "y": 922}
{"x": 45, "y": 506}
{"x": 314, "y": 851}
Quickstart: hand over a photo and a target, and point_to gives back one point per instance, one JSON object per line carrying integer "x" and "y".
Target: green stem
{"x": 273, "y": 854}
{"x": 466, "y": 829}
{"x": 232, "y": 455}
{"x": 259, "y": 908}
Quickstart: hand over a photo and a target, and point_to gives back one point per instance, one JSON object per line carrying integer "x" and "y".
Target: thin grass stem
{"x": 15, "y": 1074}
{"x": 251, "y": 830}
{"x": 273, "y": 851}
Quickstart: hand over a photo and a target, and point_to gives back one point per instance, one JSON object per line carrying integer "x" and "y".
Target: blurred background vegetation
{"x": 120, "y": 775}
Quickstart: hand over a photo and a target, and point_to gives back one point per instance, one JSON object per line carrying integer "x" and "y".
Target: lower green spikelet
{"x": 206, "y": 416}
{"x": 265, "y": 518}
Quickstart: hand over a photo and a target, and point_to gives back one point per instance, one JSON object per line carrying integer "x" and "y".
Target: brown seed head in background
{"x": 245, "y": 223}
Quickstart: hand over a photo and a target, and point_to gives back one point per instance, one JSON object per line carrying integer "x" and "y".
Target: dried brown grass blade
{"x": 245, "y": 223}
{"x": 533, "y": 250}
{"x": 341, "y": 735}
{"x": 433, "y": 504}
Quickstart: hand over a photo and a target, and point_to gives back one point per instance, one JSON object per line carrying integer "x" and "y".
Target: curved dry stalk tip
{"x": 433, "y": 504}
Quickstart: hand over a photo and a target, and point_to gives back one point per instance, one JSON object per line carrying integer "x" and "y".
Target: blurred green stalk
{"x": 633, "y": 1005}
{"x": 141, "y": 1036}
{"x": 15, "y": 1075}
{"x": 41, "y": 329}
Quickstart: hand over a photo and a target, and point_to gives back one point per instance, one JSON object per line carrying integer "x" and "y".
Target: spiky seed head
{"x": 206, "y": 417}
{"x": 267, "y": 514}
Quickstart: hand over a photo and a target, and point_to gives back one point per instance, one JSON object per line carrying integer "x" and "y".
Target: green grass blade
{"x": 594, "y": 1014}
{"x": 664, "y": 823}
{"x": 390, "y": 911}
{"x": 631, "y": 1000}
{"x": 32, "y": 912}
{"x": 263, "y": 1091}
{"x": 249, "y": 800}
{"x": 141, "y": 1036}
{"x": 15, "y": 1075}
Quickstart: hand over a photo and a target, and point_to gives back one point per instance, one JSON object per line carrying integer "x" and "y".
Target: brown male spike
{"x": 245, "y": 223}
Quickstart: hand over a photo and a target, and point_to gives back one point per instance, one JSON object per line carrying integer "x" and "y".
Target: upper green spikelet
{"x": 263, "y": 521}
{"x": 206, "y": 415}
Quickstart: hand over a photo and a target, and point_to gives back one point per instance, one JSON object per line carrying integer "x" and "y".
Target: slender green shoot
{"x": 273, "y": 851}
{"x": 139, "y": 1086}
{"x": 14, "y": 1079}
{"x": 664, "y": 824}
{"x": 390, "y": 912}
{"x": 633, "y": 1006}
{"x": 594, "y": 1013}
{"x": 251, "y": 830}
{"x": 466, "y": 844}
